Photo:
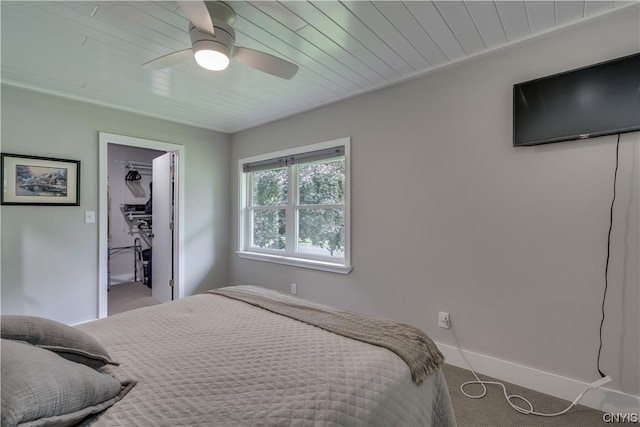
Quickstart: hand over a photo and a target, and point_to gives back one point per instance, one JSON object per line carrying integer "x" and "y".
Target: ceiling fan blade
{"x": 169, "y": 59}
{"x": 198, "y": 14}
{"x": 265, "y": 62}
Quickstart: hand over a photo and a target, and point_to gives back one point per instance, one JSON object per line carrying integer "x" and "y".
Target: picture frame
{"x": 45, "y": 181}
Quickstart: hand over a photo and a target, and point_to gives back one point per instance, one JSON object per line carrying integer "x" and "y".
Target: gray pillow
{"x": 67, "y": 341}
{"x": 41, "y": 388}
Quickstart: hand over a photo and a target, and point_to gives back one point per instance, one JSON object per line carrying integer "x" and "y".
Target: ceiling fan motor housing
{"x": 222, "y": 41}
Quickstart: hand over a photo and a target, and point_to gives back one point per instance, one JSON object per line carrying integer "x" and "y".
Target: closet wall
{"x": 122, "y": 231}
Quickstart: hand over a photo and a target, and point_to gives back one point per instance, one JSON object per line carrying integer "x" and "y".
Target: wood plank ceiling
{"x": 93, "y": 50}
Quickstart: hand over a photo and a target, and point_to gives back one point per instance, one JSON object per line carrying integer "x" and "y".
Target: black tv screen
{"x": 601, "y": 99}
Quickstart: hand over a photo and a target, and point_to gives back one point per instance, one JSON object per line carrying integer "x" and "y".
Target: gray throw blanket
{"x": 411, "y": 344}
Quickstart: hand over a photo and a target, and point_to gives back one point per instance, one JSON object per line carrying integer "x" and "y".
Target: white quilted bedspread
{"x": 212, "y": 361}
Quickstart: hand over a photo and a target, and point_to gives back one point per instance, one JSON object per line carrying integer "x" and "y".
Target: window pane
{"x": 322, "y": 183}
{"x": 270, "y": 187}
{"x": 269, "y": 228}
{"x": 321, "y": 232}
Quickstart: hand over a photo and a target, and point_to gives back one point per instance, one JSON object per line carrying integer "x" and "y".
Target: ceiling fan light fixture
{"x": 212, "y": 48}
{"x": 211, "y": 55}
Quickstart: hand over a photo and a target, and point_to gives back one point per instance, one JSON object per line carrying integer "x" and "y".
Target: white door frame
{"x": 104, "y": 140}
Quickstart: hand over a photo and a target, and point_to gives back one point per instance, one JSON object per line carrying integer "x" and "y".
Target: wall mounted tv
{"x": 597, "y": 100}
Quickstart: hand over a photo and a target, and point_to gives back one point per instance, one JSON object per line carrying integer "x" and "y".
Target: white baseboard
{"x": 603, "y": 399}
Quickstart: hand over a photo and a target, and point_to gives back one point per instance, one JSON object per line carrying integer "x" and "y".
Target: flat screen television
{"x": 597, "y": 100}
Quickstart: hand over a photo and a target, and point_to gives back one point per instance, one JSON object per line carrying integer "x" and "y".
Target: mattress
{"x": 211, "y": 360}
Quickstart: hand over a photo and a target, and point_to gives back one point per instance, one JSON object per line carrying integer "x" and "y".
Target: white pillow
{"x": 67, "y": 341}
{"x": 41, "y": 388}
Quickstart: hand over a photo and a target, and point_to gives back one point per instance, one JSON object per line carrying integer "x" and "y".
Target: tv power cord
{"x": 523, "y": 410}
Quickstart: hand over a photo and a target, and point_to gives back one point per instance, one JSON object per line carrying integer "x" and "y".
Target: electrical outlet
{"x": 444, "y": 321}
{"x": 294, "y": 288}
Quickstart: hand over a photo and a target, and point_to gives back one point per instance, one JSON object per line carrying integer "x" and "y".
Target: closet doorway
{"x": 140, "y": 223}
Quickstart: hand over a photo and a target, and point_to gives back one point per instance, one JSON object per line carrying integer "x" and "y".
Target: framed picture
{"x": 31, "y": 180}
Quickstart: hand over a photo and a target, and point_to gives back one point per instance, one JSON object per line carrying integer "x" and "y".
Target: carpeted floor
{"x": 494, "y": 411}
{"x": 128, "y": 296}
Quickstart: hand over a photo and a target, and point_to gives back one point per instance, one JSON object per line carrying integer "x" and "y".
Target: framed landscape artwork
{"x": 32, "y": 180}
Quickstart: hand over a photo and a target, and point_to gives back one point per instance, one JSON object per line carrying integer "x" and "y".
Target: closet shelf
{"x": 137, "y": 215}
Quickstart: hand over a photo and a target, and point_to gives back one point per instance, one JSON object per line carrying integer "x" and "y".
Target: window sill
{"x": 296, "y": 262}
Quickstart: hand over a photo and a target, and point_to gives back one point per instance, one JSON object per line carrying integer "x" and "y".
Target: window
{"x": 294, "y": 207}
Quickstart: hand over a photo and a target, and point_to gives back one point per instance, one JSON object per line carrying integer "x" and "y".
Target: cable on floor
{"x": 528, "y": 410}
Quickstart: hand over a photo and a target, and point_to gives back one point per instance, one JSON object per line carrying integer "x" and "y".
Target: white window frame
{"x": 289, "y": 257}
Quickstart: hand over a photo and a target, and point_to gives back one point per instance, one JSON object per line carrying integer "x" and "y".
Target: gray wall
{"x": 448, "y": 216}
{"x": 49, "y": 255}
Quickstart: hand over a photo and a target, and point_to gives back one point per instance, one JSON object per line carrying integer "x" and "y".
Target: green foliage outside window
{"x": 270, "y": 187}
{"x": 269, "y": 228}
{"x": 321, "y": 183}
{"x": 320, "y": 207}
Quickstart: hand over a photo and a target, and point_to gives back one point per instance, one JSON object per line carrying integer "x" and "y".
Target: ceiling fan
{"x": 213, "y": 42}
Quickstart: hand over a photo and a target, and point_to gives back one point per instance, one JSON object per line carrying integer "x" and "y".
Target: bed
{"x": 232, "y": 359}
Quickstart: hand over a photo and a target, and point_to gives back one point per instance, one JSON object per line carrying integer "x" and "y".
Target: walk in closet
{"x": 130, "y": 219}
